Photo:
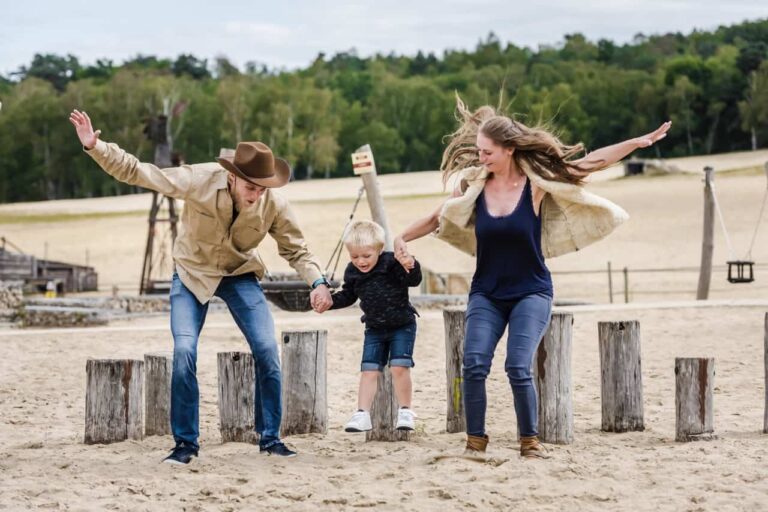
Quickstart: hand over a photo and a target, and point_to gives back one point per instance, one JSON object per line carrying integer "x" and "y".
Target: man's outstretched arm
{"x": 173, "y": 182}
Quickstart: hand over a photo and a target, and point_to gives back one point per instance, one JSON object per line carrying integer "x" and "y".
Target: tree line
{"x": 713, "y": 85}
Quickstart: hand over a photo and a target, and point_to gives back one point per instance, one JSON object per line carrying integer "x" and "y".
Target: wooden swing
{"x": 289, "y": 293}
{"x": 741, "y": 270}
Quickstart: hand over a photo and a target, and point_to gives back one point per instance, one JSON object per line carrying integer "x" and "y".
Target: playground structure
{"x": 41, "y": 275}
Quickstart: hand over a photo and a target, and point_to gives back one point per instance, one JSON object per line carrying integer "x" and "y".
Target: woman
{"x": 518, "y": 201}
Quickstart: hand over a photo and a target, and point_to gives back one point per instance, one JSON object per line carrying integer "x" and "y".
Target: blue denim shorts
{"x": 393, "y": 345}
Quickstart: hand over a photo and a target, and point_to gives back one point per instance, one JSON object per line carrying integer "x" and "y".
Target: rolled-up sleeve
{"x": 291, "y": 244}
{"x": 174, "y": 182}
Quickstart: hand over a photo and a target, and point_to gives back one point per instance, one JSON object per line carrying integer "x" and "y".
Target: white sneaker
{"x": 406, "y": 419}
{"x": 359, "y": 422}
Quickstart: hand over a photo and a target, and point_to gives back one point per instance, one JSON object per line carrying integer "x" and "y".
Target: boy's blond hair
{"x": 365, "y": 233}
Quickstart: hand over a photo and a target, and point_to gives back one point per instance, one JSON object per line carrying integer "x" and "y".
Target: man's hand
{"x": 320, "y": 298}
{"x": 85, "y": 133}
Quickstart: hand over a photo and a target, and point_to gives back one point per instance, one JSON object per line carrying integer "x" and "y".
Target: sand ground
{"x": 44, "y": 464}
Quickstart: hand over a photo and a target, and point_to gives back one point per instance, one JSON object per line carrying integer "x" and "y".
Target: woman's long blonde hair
{"x": 535, "y": 148}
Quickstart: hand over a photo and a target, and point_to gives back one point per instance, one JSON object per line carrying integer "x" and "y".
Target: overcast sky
{"x": 290, "y": 33}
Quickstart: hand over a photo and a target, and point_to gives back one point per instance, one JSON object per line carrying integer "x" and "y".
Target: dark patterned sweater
{"x": 383, "y": 292}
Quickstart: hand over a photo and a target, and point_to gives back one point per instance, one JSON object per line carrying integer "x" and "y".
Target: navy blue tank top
{"x": 510, "y": 264}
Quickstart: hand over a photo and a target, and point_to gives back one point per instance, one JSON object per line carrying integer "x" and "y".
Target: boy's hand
{"x": 320, "y": 298}
{"x": 407, "y": 261}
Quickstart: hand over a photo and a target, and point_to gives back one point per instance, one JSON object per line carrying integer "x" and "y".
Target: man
{"x": 230, "y": 206}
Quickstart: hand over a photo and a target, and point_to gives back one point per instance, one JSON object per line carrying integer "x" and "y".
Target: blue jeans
{"x": 527, "y": 318}
{"x": 245, "y": 299}
{"x": 393, "y": 345}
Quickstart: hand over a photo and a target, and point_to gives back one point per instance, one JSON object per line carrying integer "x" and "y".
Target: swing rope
{"x": 337, "y": 250}
{"x": 722, "y": 223}
{"x": 757, "y": 226}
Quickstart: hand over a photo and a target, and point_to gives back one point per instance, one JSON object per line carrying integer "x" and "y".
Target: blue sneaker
{"x": 278, "y": 449}
{"x": 182, "y": 454}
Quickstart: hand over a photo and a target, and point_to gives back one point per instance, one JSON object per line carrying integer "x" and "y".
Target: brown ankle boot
{"x": 531, "y": 448}
{"x": 476, "y": 445}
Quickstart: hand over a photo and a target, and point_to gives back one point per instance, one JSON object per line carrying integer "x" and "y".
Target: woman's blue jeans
{"x": 486, "y": 320}
{"x": 248, "y": 306}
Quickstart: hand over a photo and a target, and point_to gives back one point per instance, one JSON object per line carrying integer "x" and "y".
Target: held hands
{"x": 408, "y": 262}
{"x": 85, "y": 133}
{"x": 402, "y": 255}
{"x": 649, "y": 139}
{"x": 320, "y": 298}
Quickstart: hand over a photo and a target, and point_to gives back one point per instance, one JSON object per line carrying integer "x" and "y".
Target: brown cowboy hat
{"x": 255, "y": 163}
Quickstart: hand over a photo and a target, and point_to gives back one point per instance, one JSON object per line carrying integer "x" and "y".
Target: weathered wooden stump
{"x": 384, "y": 412}
{"x": 113, "y": 400}
{"x": 305, "y": 388}
{"x": 621, "y": 384}
{"x": 694, "y": 387}
{"x": 454, "y": 321}
{"x": 158, "y": 368}
{"x": 237, "y": 418}
{"x": 552, "y": 375}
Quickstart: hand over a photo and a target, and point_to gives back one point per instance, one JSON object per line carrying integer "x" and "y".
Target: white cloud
{"x": 290, "y": 33}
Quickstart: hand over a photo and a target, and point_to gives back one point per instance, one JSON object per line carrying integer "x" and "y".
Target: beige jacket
{"x": 571, "y": 217}
{"x": 209, "y": 245}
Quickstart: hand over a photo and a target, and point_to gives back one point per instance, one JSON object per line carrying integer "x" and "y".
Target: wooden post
{"x": 454, "y": 321}
{"x": 694, "y": 386}
{"x": 384, "y": 407}
{"x": 375, "y": 201}
{"x": 236, "y": 397}
{"x": 626, "y": 285}
{"x": 113, "y": 400}
{"x": 708, "y": 244}
{"x": 384, "y": 412}
{"x": 158, "y": 368}
{"x": 610, "y": 283}
{"x": 621, "y": 384}
{"x": 305, "y": 389}
{"x": 765, "y": 360}
{"x": 552, "y": 375}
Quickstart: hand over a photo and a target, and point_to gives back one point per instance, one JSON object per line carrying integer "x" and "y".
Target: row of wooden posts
{"x": 114, "y": 409}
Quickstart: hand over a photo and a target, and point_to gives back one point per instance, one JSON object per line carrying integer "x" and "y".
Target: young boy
{"x": 381, "y": 283}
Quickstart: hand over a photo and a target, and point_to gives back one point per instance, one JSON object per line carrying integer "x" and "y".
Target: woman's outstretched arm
{"x": 418, "y": 229}
{"x": 609, "y": 155}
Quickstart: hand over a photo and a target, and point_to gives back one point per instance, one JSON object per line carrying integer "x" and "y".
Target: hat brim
{"x": 281, "y": 177}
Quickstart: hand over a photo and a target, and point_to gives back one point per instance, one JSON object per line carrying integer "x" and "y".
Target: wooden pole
{"x": 610, "y": 283}
{"x": 694, "y": 387}
{"x": 158, "y": 368}
{"x": 384, "y": 407}
{"x": 113, "y": 400}
{"x": 454, "y": 321}
{"x": 384, "y": 412}
{"x": 552, "y": 375}
{"x": 765, "y": 360}
{"x": 375, "y": 201}
{"x": 237, "y": 390}
{"x": 708, "y": 244}
{"x": 305, "y": 388}
{"x": 621, "y": 384}
{"x": 626, "y": 285}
